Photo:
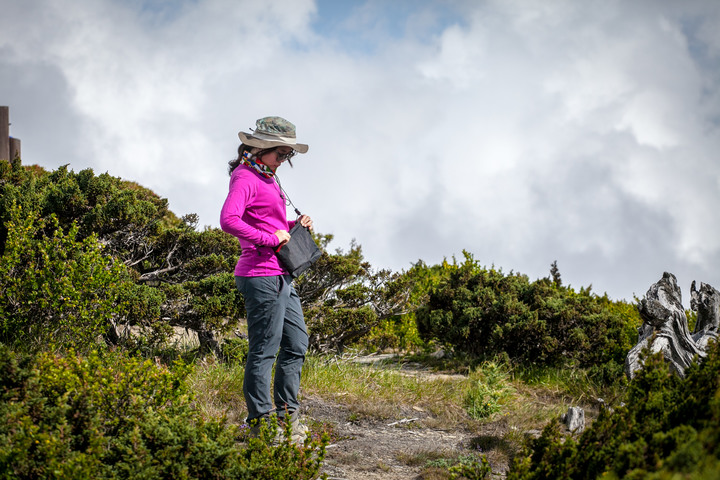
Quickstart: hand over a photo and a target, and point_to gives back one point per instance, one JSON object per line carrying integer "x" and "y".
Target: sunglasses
{"x": 281, "y": 156}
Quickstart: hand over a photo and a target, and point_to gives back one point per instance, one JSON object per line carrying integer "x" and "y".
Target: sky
{"x": 521, "y": 131}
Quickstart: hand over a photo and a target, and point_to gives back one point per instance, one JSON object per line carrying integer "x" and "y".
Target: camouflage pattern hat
{"x": 273, "y": 132}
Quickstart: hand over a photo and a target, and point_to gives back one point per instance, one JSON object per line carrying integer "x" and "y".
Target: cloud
{"x": 523, "y": 132}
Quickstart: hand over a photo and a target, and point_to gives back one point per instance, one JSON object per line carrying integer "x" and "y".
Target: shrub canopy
{"x": 159, "y": 270}
{"x": 482, "y": 311}
{"x": 106, "y": 415}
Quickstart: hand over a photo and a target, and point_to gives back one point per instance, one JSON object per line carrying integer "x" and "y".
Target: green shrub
{"x": 466, "y": 467}
{"x": 57, "y": 290}
{"x": 483, "y": 312}
{"x": 471, "y": 469}
{"x": 396, "y": 333}
{"x": 490, "y": 390}
{"x": 209, "y": 304}
{"x": 667, "y": 428}
{"x": 110, "y": 416}
{"x": 235, "y": 350}
{"x": 182, "y": 275}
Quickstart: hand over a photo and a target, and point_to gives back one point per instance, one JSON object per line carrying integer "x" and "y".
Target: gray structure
{"x": 706, "y": 303}
{"x": 665, "y": 325}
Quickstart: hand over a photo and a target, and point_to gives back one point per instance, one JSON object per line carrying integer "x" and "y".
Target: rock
{"x": 706, "y": 303}
{"x": 574, "y": 419}
{"x": 664, "y": 329}
{"x": 439, "y": 354}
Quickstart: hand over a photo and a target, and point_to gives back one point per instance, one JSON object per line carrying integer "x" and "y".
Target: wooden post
{"x": 14, "y": 151}
{"x": 5, "y": 133}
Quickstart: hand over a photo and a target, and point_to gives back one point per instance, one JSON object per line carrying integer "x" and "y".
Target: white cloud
{"x": 522, "y": 131}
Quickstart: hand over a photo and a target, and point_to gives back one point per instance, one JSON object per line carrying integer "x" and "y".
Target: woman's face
{"x": 275, "y": 157}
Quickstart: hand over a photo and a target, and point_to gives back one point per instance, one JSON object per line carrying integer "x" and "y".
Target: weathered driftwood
{"x": 665, "y": 328}
{"x": 706, "y": 303}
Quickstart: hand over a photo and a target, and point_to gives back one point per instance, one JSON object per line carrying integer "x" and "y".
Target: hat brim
{"x": 248, "y": 139}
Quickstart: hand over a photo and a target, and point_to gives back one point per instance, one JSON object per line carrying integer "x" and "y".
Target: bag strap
{"x": 288, "y": 202}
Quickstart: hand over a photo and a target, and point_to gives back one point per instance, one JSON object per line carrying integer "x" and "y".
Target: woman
{"x": 254, "y": 212}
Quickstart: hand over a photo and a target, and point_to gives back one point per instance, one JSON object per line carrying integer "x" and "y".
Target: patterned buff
{"x": 264, "y": 170}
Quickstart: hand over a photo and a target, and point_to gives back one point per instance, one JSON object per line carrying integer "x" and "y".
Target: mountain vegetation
{"x": 666, "y": 428}
{"x": 100, "y": 280}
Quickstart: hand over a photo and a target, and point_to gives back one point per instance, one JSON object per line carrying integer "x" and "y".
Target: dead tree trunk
{"x": 664, "y": 329}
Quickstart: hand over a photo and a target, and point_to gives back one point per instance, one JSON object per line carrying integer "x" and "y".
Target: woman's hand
{"x": 283, "y": 236}
{"x": 306, "y": 221}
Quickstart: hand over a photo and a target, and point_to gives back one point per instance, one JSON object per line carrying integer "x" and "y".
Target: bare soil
{"x": 372, "y": 449}
{"x": 366, "y": 448}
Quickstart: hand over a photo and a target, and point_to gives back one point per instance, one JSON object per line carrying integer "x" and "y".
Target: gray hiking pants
{"x": 276, "y": 328}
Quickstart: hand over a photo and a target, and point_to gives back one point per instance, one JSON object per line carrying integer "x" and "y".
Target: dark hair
{"x": 232, "y": 164}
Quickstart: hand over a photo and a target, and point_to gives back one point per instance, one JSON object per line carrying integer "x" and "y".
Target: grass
{"x": 498, "y": 404}
{"x": 568, "y": 382}
{"x": 526, "y": 398}
{"x": 423, "y": 457}
{"x": 384, "y": 392}
{"x": 218, "y": 390}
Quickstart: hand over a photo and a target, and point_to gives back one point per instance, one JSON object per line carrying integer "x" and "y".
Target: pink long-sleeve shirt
{"x": 253, "y": 211}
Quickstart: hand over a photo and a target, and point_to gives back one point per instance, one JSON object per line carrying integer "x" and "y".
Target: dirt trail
{"x": 374, "y": 449}
{"x": 380, "y": 450}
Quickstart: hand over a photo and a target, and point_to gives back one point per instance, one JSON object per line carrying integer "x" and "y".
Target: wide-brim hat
{"x": 273, "y": 132}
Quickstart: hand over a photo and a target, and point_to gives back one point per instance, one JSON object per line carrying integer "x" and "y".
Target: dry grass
{"x": 423, "y": 457}
{"x": 531, "y": 408}
{"x": 392, "y": 392}
{"x": 218, "y": 390}
{"x": 385, "y": 392}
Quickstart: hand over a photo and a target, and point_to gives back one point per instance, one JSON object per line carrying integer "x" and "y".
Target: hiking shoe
{"x": 298, "y": 430}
